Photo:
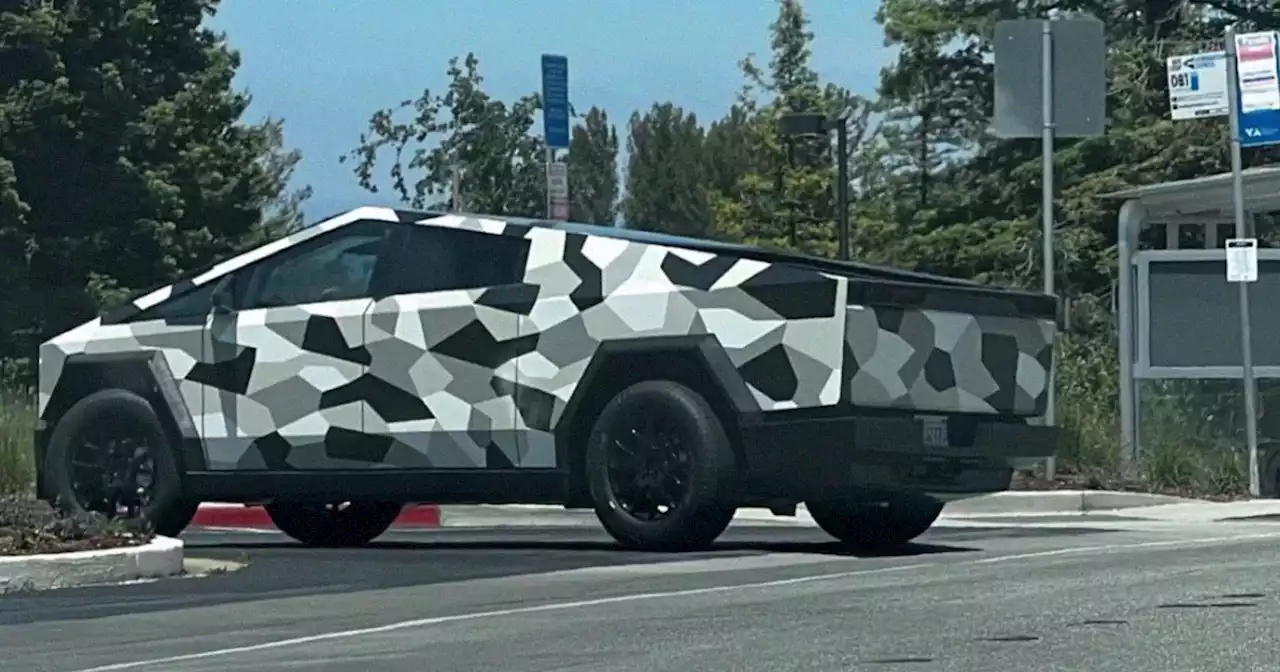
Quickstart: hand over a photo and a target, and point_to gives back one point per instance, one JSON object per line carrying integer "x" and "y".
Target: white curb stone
{"x": 160, "y": 558}
{"x": 1054, "y": 502}
{"x": 1016, "y": 503}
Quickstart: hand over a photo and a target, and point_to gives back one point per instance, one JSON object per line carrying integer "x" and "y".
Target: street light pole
{"x": 842, "y": 177}
{"x": 795, "y": 124}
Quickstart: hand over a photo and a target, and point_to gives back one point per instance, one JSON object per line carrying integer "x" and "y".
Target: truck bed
{"x": 916, "y": 341}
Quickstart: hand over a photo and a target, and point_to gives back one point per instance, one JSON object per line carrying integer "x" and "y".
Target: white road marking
{"x": 637, "y": 597}
{"x": 233, "y": 530}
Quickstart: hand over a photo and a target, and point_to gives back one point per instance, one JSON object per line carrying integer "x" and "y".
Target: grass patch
{"x": 17, "y": 433}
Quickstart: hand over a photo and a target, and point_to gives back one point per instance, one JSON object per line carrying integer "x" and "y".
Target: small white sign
{"x": 1256, "y": 68}
{"x": 1198, "y": 85}
{"x": 560, "y": 209}
{"x": 558, "y": 180}
{"x": 1242, "y": 260}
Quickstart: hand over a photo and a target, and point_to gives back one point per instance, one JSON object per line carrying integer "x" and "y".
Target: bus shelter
{"x": 1178, "y": 317}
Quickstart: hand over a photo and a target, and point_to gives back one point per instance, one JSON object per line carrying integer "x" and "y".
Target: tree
{"x": 123, "y": 157}
{"x": 665, "y": 176}
{"x": 786, "y": 197}
{"x": 726, "y": 154}
{"x": 994, "y": 193}
{"x": 500, "y": 165}
{"x": 593, "y": 170}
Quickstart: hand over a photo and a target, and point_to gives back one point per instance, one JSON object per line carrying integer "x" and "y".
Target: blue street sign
{"x": 555, "y": 100}
{"x": 1259, "y": 128}
{"x": 1257, "y": 89}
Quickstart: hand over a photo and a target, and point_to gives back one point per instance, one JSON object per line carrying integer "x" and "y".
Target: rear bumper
{"x": 870, "y": 455}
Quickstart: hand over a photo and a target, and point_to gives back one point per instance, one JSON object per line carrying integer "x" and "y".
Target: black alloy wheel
{"x": 648, "y": 465}
{"x": 113, "y": 471}
{"x": 660, "y": 468}
{"x": 109, "y": 454}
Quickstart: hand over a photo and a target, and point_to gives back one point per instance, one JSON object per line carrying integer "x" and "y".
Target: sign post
{"x": 555, "y": 125}
{"x": 1050, "y": 82}
{"x": 1254, "y": 99}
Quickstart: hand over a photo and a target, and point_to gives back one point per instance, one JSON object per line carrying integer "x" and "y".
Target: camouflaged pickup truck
{"x": 382, "y": 357}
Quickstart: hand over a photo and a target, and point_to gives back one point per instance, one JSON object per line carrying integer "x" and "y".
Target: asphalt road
{"x": 1133, "y": 597}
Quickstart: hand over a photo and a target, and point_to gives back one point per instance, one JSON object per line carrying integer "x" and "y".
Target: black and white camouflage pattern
{"x": 479, "y": 378}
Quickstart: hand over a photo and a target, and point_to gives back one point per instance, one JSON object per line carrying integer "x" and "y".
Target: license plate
{"x": 935, "y": 432}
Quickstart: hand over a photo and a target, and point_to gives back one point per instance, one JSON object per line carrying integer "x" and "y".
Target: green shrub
{"x": 1192, "y": 431}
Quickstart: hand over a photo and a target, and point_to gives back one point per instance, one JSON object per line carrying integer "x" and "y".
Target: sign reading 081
{"x": 1198, "y": 85}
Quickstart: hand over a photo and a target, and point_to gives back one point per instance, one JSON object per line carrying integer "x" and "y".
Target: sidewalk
{"x": 1020, "y": 504}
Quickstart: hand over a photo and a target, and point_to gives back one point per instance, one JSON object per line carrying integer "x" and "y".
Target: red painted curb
{"x": 238, "y": 515}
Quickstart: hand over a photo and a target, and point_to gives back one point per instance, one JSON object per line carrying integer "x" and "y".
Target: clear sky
{"x": 325, "y": 66}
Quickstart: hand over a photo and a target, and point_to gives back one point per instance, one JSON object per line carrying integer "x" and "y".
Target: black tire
{"x": 872, "y": 526}
{"x": 332, "y": 526}
{"x": 707, "y": 468}
{"x": 127, "y": 415}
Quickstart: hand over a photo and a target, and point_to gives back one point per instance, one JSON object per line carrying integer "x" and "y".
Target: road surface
{"x": 1123, "y": 596}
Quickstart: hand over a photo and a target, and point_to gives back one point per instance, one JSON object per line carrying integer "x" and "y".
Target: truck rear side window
{"x": 437, "y": 259}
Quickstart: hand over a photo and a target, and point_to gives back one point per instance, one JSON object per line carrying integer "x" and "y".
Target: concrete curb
{"x": 999, "y": 505}
{"x": 160, "y": 558}
{"x": 1055, "y": 503}
{"x": 216, "y": 514}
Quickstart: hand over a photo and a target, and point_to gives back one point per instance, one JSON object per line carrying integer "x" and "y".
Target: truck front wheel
{"x": 869, "y": 526}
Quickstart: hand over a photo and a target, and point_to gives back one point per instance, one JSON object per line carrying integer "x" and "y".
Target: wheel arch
{"x": 145, "y": 373}
{"x": 698, "y": 362}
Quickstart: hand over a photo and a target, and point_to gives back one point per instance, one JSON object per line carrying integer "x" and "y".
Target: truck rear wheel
{"x": 661, "y": 469}
{"x": 876, "y": 525}
{"x": 332, "y": 525}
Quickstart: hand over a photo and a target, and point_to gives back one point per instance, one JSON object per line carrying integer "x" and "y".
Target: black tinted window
{"x": 332, "y": 267}
{"x": 436, "y": 259}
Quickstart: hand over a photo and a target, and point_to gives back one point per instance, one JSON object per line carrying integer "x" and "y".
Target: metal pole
{"x": 1133, "y": 215}
{"x": 551, "y": 157}
{"x": 1246, "y": 334}
{"x": 842, "y": 186}
{"x": 1046, "y": 188}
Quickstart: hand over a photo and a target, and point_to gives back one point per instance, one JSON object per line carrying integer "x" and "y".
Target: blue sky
{"x": 326, "y": 66}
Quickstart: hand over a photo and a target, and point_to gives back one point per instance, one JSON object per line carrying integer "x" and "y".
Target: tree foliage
{"x": 123, "y": 157}
{"x": 593, "y": 170}
{"x": 665, "y": 172}
{"x": 486, "y": 147}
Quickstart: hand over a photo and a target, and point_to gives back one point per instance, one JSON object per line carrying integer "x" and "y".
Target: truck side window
{"x": 437, "y": 259}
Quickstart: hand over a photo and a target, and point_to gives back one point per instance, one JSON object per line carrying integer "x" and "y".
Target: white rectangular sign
{"x": 1198, "y": 85}
{"x": 1242, "y": 260}
{"x": 1256, "y": 69}
{"x": 560, "y": 209}
{"x": 558, "y": 180}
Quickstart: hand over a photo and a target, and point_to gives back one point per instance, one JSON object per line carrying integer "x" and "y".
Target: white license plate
{"x": 935, "y": 432}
